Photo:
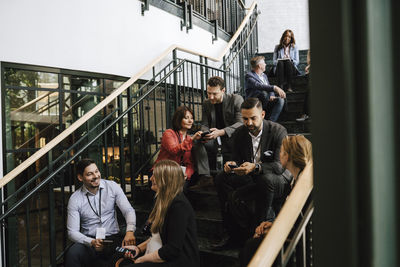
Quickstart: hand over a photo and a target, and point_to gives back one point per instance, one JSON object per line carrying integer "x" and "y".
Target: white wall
{"x": 106, "y": 36}
{"x": 277, "y": 16}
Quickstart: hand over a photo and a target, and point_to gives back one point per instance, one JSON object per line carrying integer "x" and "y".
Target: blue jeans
{"x": 273, "y": 107}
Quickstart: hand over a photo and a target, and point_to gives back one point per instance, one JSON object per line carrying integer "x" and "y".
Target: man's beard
{"x": 254, "y": 130}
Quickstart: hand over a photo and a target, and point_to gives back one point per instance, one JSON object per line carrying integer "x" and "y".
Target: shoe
{"x": 225, "y": 244}
{"x": 304, "y": 117}
{"x": 204, "y": 181}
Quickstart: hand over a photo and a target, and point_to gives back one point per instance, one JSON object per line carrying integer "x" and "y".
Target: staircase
{"x": 205, "y": 202}
{"x": 122, "y": 133}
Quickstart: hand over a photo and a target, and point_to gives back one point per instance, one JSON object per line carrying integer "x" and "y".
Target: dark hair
{"x": 216, "y": 81}
{"x": 292, "y": 40}
{"x": 255, "y": 60}
{"x": 82, "y": 164}
{"x": 178, "y": 116}
{"x": 250, "y": 103}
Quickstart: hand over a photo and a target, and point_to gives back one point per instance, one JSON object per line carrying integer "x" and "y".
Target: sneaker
{"x": 304, "y": 117}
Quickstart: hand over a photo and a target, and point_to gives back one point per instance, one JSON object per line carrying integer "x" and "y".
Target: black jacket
{"x": 179, "y": 235}
{"x": 271, "y": 141}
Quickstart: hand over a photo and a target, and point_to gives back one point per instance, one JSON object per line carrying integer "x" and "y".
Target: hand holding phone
{"x": 125, "y": 250}
{"x": 203, "y": 134}
{"x": 232, "y": 166}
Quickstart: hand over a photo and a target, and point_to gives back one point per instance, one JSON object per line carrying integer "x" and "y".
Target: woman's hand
{"x": 151, "y": 257}
{"x": 129, "y": 254}
{"x": 197, "y": 135}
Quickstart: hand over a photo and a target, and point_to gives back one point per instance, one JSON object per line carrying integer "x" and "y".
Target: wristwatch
{"x": 257, "y": 170}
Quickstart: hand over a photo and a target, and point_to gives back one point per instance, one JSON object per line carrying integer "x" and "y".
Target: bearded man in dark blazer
{"x": 255, "y": 171}
{"x": 221, "y": 116}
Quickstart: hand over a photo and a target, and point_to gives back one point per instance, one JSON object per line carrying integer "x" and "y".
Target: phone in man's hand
{"x": 203, "y": 134}
{"x": 232, "y": 166}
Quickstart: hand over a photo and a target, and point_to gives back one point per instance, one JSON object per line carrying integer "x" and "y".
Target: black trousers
{"x": 82, "y": 255}
{"x": 269, "y": 192}
{"x": 285, "y": 71}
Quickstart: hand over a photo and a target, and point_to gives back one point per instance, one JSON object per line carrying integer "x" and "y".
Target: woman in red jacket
{"x": 176, "y": 144}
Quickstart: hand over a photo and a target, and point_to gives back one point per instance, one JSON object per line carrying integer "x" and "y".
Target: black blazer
{"x": 179, "y": 235}
{"x": 271, "y": 141}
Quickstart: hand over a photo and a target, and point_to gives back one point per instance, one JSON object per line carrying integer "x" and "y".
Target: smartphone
{"x": 124, "y": 250}
{"x": 204, "y": 134}
{"x": 232, "y": 166}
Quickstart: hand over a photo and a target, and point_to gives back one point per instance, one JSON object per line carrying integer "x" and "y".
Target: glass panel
{"x": 111, "y": 85}
{"x": 25, "y": 78}
{"x": 83, "y": 84}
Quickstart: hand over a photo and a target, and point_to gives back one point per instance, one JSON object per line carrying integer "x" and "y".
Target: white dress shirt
{"x": 84, "y": 218}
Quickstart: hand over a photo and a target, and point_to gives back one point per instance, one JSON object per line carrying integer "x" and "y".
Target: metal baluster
{"x": 131, "y": 143}
{"x": 121, "y": 145}
{"x": 52, "y": 229}
{"x": 27, "y": 230}
{"x": 191, "y": 93}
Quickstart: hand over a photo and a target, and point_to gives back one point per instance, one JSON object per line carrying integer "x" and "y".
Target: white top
{"x": 154, "y": 244}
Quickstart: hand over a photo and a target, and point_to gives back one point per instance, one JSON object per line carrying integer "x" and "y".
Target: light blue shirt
{"x": 82, "y": 219}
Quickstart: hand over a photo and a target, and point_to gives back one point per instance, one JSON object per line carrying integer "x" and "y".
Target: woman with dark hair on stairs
{"x": 176, "y": 143}
{"x": 286, "y": 59}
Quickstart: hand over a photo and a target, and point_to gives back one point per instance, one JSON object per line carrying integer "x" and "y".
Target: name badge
{"x": 100, "y": 233}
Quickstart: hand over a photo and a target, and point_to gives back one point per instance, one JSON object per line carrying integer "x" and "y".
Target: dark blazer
{"x": 179, "y": 235}
{"x": 231, "y": 113}
{"x": 271, "y": 141}
{"x": 254, "y": 86}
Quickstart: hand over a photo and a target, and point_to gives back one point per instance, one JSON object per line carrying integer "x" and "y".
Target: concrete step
{"x": 294, "y": 127}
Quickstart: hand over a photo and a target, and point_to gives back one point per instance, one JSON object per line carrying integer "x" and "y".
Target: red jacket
{"x": 173, "y": 150}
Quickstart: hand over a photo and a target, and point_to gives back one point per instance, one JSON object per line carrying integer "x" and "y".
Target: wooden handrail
{"x": 55, "y": 141}
{"x": 284, "y": 222}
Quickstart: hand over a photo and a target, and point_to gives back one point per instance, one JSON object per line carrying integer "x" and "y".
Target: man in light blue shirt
{"x": 92, "y": 220}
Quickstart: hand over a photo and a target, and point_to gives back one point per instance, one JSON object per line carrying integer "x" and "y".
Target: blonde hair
{"x": 299, "y": 150}
{"x": 169, "y": 179}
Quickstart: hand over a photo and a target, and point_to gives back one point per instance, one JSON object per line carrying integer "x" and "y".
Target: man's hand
{"x": 245, "y": 169}
{"x": 214, "y": 133}
{"x": 97, "y": 244}
{"x": 272, "y": 98}
{"x": 279, "y": 91}
{"x": 262, "y": 229}
{"x": 129, "y": 239}
{"x": 228, "y": 169}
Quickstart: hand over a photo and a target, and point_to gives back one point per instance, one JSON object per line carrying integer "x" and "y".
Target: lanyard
{"x": 90, "y": 204}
